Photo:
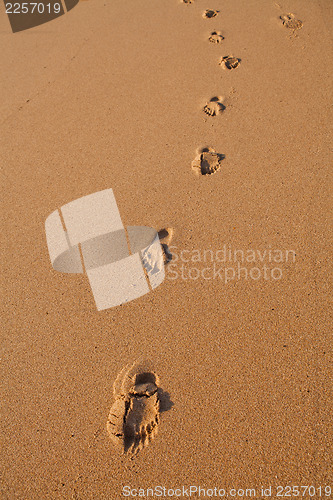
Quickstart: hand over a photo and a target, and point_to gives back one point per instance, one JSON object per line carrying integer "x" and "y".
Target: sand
{"x": 111, "y": 95}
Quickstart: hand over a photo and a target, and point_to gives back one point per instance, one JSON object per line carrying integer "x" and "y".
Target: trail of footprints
{"x": 207, "y": 161}
{"x": 135, "y": 414}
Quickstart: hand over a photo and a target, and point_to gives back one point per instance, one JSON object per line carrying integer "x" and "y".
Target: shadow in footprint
{"x": 135, "y": 414}
{"x": 214, "y": 107}
{"x": 290, "y": 22}
{"x": 209, "y": 14}
{"x": 230, "y": 62}
{"x": 216, "y": 37}
{"x": 207, "y": 161}
{"x": 165, "y": 235}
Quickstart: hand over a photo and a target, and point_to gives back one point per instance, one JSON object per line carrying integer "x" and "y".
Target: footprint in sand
{"x": 207, "y": 161}
{"x": 209, "y": 14}
{"x": 289, "y": 21}
{"x": 165, "y": 235}
{"x": 134, "y": 416}
{"x": 216, "y": 37}
{"x": 214, "y": 107}
{"x": 229, "y": 62}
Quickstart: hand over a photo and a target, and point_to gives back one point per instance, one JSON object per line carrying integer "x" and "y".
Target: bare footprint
{"x": 214, "y": 107}
{"x": 229, "y": 62}
{"x": 207, "y": 161}
{"x": 216, "y": 37}
{"x": 165, "y": 235}
{"x": 289, "y": 21}
{"x": 134, "y": 416}
{"x": 209, "y": 14}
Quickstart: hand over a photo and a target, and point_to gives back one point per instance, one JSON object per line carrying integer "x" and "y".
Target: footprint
{"x": 134, "y": 416}
{"x": 216, "y": 37}
{"x": 209, "y": 14}
{"x": 207, "y": 161}
{"x": 187, "y": 1}
{"x": 165, "y": 235}
{"x": 289, "y": 21}
{"x": 214, "y": 107}
{"x": 229, "y": 62}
